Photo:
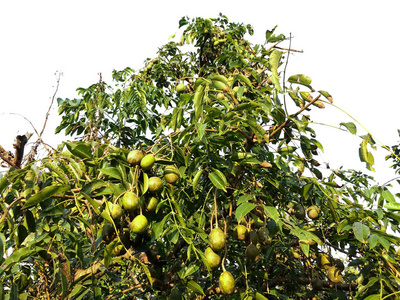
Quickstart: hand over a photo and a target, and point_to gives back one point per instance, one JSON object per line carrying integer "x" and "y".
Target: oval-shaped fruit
{"x": 226, "y": 283}
{"x": 155, "y": 184}
{"x": 240, "y": 232}
{"x": 216, "y": 239}
{"x": 212, "y": 258}
{"x": 171, "y": 174}
{"x": 180, "y": 88}
{"x": 299, "y": 212}
{"x": 313, "y": 212}
{"x": 139, "y": 224}
{"x": 152, "y": 205}
{"x": 334, "y": 275}
{"x": 252, "y": 252}
{"x": 130, "y": 201}
{"x": 147, "y": 162}
{"x": 263, "y": 236}
{"x": 134, "y": 157}
{"x": 115, "y": 210}
{"x": 253, "y": 238}
{"x": 108, "y": 233}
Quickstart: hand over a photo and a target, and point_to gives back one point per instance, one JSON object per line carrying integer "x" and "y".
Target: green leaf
{"x": 92, "y": 186}
{"x": 373, "y": 297}
{"x": 259, "y": 296}
{"x": 112, "y": 172}
{"x": 80, "y": 150}
{"x": 3, "y": 184}
{"x": 218, "y": 181}
{"x": 244, "y": 198}
{"x": 350, "y": 126}
{"x": 326, "y": 95}
{"x": 243, "y": 209}
{"x": 45, "y": 193}
{"x": 198, "y": 101}
{"x": 392, "y": 206}
{"x": 300, "y": 79}
{"x": 388, "y": 196}
{"x": 274, "y": 62}
{"x": 361, "y": 232}
{"x": 195, "y": 287}
{"x": 196, "y": 179}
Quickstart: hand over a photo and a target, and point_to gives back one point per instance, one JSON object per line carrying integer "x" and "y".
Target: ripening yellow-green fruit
{"x": 313, "y": 212}
{"x": 139, "y": 224}
{"x": 216, "y": 239}
{"x": 147, "y": 162}
{"x": 226, "y": 283}
{"x": 171, "y": 174}
{"x": 134, "y": 157}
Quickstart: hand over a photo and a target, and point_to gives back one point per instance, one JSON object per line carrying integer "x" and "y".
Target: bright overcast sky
{"x": 350, "y": 50}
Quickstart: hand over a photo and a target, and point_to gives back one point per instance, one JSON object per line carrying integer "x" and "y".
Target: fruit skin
{"x": 263, "y": 236}
{"x": 171, "y": 174}
{"x": 115, "y": 210}
{"x": 130, "y": 201}
{"x": 212, "y": 258}
{"x": 226, "y": 283}
{"x": 334, "y": 275}
{"x": 180, "y": 88}
{"x": 240, "y": 232}
{"x": 313, "y": 212}
{"x": 147, "y": 162}
{"x": 152, "y": 205}
{"x": 139, "y": 224}
{"x": 134, "y": 157}
{"x": 252, "y": 252}
{"x": 155, "y": 184}
{"x": 324, "y": 261}
{"x": 299, "y": 212}
{"x": 216, "y": 239}
{"x": 108, "y": 233}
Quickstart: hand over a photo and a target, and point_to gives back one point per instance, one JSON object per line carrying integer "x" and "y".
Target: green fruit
{"x": 263, "y": 236}
{"x": 227, "y": 283}
{"x": 313, "y": 212}
{"x": 147, "y": 162}
{"x": 155, "y": 184}
{"x": 252, "y": 252}
{"x": 115, "y": 210}
{"x": 135, "y": 157}
{"x": 334, "y": 275}
{"x": 152, "y": 205}
{"x": 171, "y": 174}
{"x": 240, "y": 232}
{"x": 212, "y": 258}
{"x": 130, "y": 201}
{"x": 220, "y": 96}
{"x": 180, "y": 88}
{"x": 139, "y": 224}
{"x": 108, "y": 233}
{"x": 299, "y": 212}
{"x": 176, "y": 294}
{"x": 253, "y": 238}
{"x": 216, "y": 239}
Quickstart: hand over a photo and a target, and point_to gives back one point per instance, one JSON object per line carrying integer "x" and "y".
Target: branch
{"x": 4, "y": 155}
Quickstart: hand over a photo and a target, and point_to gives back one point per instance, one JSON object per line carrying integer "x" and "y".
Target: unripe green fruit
{"x": 216, "y": 239}
{"x": 299, "y": 212}
{"x": 220, "y": 96}
{"x": 108, "y": 233}
{"x": 176, "y": 294}
{"x": 139, "y": 224}
{"x": 240, "y": 232}
{"x": 155, "y": 184}
{"x": 130, "y": 201}
{"x": 313, "y": 212}
{"x": 147, "y": 162}
{"x": 180, "y": 88}
{"x": 252, "y": 252}
{"x": 152, "y": 205}
{"x": 226, "y": 283}
{"x": 134, "y": 157}
{"x": 253, "y": 238}
{"x": 263, "y": 236}
{"x": 114, "y": 210}
{"x": 171, "y": 174}
{"x": 212, "y": 258}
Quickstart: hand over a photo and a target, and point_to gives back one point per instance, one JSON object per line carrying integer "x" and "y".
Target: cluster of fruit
{"x": 217, "y": 242}
{"x": 332, "y": 266}
{"x": 129, "y": 203}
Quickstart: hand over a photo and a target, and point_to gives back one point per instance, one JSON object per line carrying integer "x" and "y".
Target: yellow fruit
{"x": 147, "y": 162}
{"x": 240, "y": 232}
{"x": 155, "y": 184}
{"x": 130, "y": 201}
{"x": 212, "y": 258}
{"x": 313, "y": 212}
{"x": 334, "y": 275}
{"x": 180, "y": 88}
{"x": 134, "y": 157}
{"x": 216, "y": 239}
{"x": 324, "y": 261}
{"x": 171, "y": 174}
{"x": 139, "y": 224}
{"x": 114, "y": 210}
{"x": 227, "y": 283}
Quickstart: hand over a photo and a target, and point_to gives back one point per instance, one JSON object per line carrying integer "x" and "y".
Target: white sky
{"x": 350, "y": 50}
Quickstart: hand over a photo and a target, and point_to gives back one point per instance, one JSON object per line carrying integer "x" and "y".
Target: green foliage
{"x": 245, "y": 153}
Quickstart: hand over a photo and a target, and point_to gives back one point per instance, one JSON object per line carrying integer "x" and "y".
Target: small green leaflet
{"x": 112, "y": 172}
{"x": 196, "y": 179}
{"x": 218, "y": 179}
{"x": 392, "y": 206}
{"x": 274, "y": 62}
{"x": 45, "y": 193}
{"x": 350, "y": 126}
{"x": 300, "y": 79}
{"x": 243, "y": 209}
{"x": 361, "y": 232}
{"x": 80, "y": 150}
{"x": 195, "y": 287}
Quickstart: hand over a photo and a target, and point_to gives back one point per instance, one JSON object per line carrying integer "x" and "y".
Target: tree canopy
{"x": 198, "y": 177}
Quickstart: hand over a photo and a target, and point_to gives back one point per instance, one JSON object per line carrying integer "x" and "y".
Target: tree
{"x": 243, "y": 207}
